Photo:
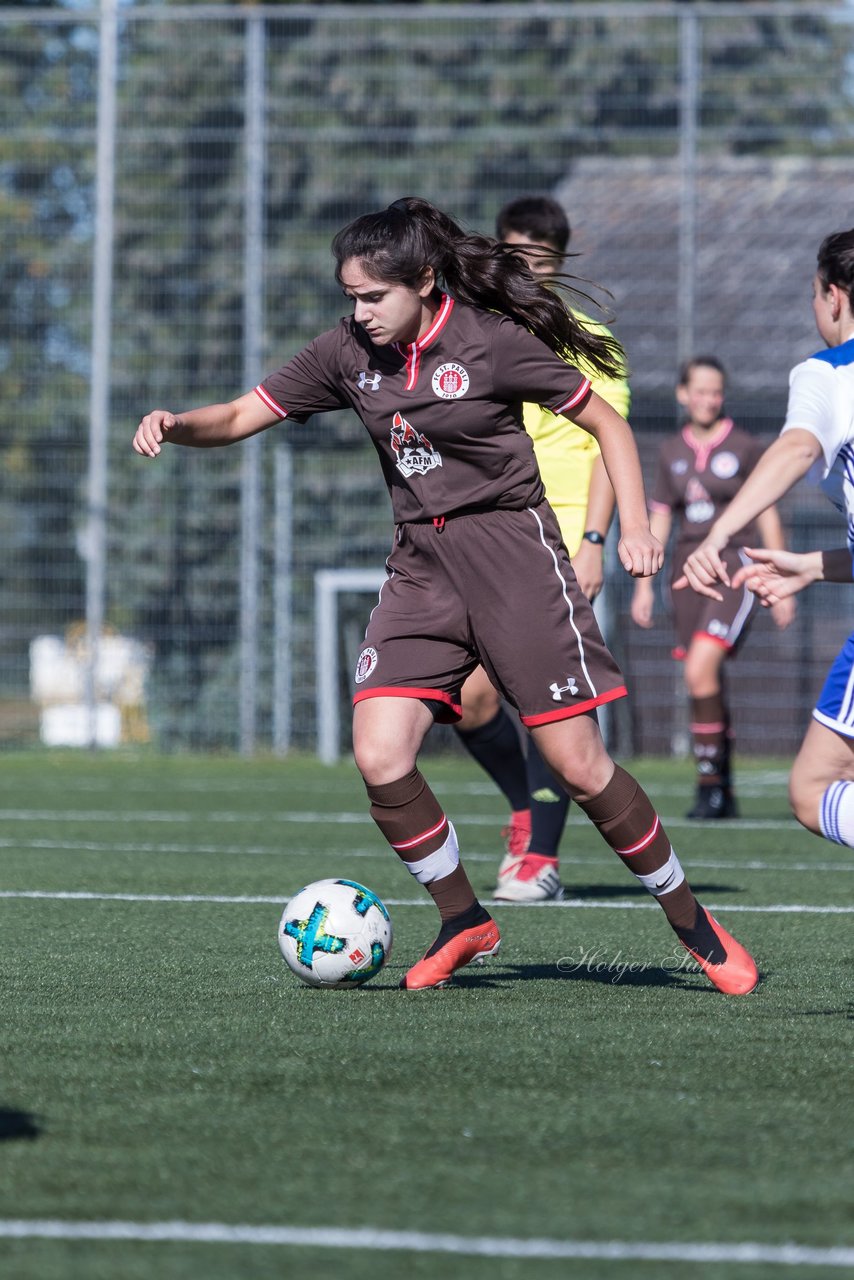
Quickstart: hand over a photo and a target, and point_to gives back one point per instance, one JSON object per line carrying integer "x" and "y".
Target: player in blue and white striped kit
{"x": 817, "y": 440}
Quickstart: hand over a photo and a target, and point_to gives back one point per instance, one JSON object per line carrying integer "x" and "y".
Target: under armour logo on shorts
{"x": 558, "y": 689}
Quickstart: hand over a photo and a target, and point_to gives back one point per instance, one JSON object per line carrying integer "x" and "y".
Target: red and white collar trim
{"x": 413, "y": 350}
{"x": 703, "y": 449}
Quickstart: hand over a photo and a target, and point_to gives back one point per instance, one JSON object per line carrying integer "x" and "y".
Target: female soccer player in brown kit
{"x": 450, "y": 334}
{"x": 700, "y": 470}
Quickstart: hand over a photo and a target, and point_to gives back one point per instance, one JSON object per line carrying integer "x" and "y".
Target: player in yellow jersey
{"x": 578, "y": 489}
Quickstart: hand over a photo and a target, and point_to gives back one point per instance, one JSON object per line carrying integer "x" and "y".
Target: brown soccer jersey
{"x": 478, "y": 571}
{"x": 695, "y": 482}
{"x": 444, "y": 413}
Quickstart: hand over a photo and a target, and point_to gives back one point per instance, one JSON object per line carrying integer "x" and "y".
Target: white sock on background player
{"x": 836, "y": 813}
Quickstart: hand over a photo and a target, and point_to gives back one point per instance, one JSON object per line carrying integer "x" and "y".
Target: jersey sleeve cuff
{"x": 272, "y": 404}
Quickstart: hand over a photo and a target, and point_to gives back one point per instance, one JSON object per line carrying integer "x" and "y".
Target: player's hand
{"x": 643, "y": 604}
{"x": 703, "y": 568}
{"x": 775, "y": 576}
{"x": 641, "y": 554}
{"x": 588, "y": 565}
{"x": 152, "y": 431}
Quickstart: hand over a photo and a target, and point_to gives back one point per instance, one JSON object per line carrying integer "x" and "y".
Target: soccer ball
{"x": 335, "y": 933}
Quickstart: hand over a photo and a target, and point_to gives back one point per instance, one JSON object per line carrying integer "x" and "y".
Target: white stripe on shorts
{"x": 566, "y": 597}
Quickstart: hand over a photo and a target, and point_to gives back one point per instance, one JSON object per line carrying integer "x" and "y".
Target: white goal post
{"x": 328, "y": 585}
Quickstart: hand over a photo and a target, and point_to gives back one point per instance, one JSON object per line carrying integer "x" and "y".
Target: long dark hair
{"x": 397, "y": 243}
{"x": 836, "y": 263}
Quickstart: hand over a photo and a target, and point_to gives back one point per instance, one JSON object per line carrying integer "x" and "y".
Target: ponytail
{"x": 836, "y": 263}
{"x": 397, "y": 243}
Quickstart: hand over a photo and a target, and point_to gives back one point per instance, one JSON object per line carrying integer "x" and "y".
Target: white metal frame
{"x": 328, "y": 584}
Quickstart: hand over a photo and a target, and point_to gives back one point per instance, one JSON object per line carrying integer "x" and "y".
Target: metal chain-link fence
{"x": 170, "y": 181}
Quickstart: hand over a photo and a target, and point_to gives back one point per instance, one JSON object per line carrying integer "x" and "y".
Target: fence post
{"x": 282, "y": 597}
{"x": 253, "y": 327}
{"x": 95, "y": 542}
{"x": 689, "y": 59}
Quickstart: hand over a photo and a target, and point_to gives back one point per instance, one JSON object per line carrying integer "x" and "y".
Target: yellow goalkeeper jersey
{"x": 566, "y": 453}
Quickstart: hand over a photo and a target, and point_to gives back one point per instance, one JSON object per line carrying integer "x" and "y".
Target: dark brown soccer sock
{"x": 729, "y": 748}
{"x": 624, "y": 816}
{"x": 709, "y": 729}
{"x": 414, "y": 823}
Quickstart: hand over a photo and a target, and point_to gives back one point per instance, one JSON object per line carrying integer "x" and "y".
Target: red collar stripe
{"x": 413, "y": 350}
{"x": 413, "y": 364}
{"x": 438, "y": 324}
{"x": 702, "y": 449}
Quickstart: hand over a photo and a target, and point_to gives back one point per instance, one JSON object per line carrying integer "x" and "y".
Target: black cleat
{"x": 712, "y": 803}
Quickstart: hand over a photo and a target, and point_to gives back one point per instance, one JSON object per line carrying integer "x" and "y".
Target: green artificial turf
{"x": 161, "y": 1064}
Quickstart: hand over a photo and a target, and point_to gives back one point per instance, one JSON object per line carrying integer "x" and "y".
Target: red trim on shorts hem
{"x": 455, "y": 710}
{"x": 680, "y": 653}
{"x": 565, "y": 713}
{"x": 724, "y": 644}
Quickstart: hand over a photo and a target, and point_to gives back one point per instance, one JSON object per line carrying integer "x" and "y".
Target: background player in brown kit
{"x": 700, "y": 470}
{"x": 450, "y": 334}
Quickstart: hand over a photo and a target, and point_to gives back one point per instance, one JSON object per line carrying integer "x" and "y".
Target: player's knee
{"x": 699, "y": 680}
{"x": 805, "y": 800}
{"x": 582, "y": 774}
{"x": 378, "y": 760}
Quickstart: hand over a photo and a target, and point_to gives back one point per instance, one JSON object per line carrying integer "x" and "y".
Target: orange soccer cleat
{"x": 470, "y": 945}
{"x": 725, "y": 963}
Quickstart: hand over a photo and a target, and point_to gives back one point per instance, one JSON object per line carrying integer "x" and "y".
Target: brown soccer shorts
{"x": 493, "y": 587}
{"x": 725, "y": 621}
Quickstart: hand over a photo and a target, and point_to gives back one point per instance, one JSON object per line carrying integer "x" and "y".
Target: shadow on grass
{"x": 617, "y": 973}
{"x": 641, "y": 975}
{"x": 17, "y": 1124}
{"x": 608, "y": 892}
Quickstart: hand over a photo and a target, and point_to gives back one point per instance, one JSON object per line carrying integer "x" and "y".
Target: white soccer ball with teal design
{"x": 335, "y": 933}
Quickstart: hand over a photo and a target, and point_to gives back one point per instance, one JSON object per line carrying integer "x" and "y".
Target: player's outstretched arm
{"x": 206, "y": 428}
{"x": 782, "y": 464}
{"x": 641, "y": 554}
{"x": 777, "y": 575}
{"x": 770, "y": 528}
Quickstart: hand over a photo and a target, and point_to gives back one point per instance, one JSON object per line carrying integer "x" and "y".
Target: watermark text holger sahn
{"x": 597, "y": 960}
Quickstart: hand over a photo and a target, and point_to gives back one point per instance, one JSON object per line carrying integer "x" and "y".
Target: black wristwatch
{"x": 591, "y": 535}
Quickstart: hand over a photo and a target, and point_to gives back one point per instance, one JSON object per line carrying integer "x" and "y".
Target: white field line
{"x": 311, "y": 817}
{"x": 751, "y": 785}
{"x": 578, "y": 904}
{"x": 371, "y": 1238}
{"x": 594, "y": 860}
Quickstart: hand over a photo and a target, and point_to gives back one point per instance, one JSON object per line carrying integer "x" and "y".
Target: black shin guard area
{"x": 476, "y": 914}
{"x": 702, "y": 939}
